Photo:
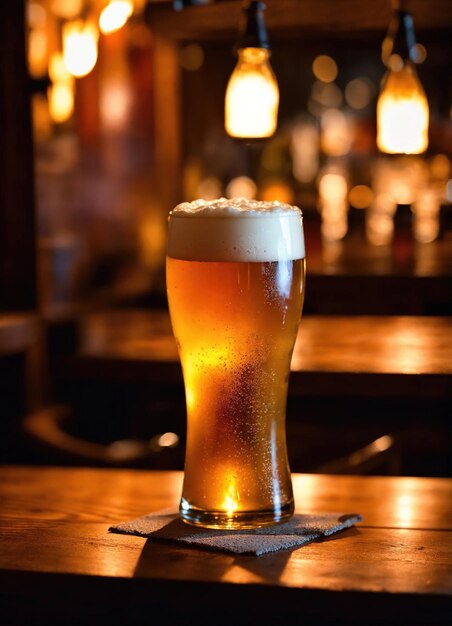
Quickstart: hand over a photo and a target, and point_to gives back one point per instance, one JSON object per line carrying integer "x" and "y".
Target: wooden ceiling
{"x": 291, "y": 17}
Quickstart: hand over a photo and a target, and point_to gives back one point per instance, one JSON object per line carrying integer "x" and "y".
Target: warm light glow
{"x": 115, "y": 15}
{"x": 152, "y": 239}
{"x": 401, "y": 178}
{"x": 61, "y": 102}
{"x": 241, "y": 187}
{"x": 168, "y": 440}
{"x": 61, "y": 93}
{"x": 333, "y": 206}
{"x": 277, "y": 190}
{"x": 426, "y": 210}
{"x": 42, "y": 127}
{"x": 305, "y": 151}
{"x": 191, "y": 57}
{"x": 57, "y": 69}
{"x": 67, "y": 9}
{"x": 402, "y": 114}
{"x": 114, "y": 105}
{"x": 448, "y": 193}
{"x": 37, "y": 52}
{"x": 209, "y": 188}
{"x": 364, "y": 454}
{"x": 333, "y": 187}
{"x": 252, "y": 96}
{"x": 358, "y": 93}
{"x": 440, "y": 167}
{"x": 80, "y": 47}
{"x": 380, "y": 220}
{"x": 212, "y": 362}
{"x": 336, "y": 136}
{"x": 231, "y": 498}
{"x": 360, "y": 196}
{"x": 324, "y": 68}
{"x": 405, "y": 507}
{"x": 36, "y": 15}
{"x": 326, "y": 94}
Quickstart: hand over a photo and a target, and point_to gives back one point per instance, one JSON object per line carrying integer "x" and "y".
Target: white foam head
{"x": 235, "y": 230}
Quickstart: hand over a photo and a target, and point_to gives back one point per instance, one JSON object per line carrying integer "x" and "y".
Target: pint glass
{"x": 235, "y": 280}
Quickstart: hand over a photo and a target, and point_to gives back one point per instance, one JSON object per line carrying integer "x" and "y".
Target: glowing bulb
{"x": 79, "y": 47}
{"x": 252, "y": 96}
{"x": 402, "y": 113}
{"x": 115, "y": 15}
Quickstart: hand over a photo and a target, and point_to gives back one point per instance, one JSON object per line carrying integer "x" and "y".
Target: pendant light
{"x": 402, "y": 107}
{"x": 252, "y": 94}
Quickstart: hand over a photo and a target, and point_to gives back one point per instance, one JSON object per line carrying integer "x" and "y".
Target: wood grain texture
{"x": 55, "y": 521}
{"x": 358, "y": 356}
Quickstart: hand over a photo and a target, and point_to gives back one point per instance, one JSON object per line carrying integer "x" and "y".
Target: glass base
{"x": 240, "y": 520}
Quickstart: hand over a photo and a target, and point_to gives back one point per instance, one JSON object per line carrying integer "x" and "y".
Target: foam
{"x": 235, "y": 230}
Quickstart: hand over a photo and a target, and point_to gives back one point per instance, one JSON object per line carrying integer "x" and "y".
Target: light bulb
{"x": 252, "y": 96}
{"x": 402, "y": 113}
{"x": 115, "y": 15}
{"x": 80, "y": 47}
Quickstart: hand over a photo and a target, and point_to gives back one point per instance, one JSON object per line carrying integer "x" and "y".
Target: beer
{"x": 235, "y": 280}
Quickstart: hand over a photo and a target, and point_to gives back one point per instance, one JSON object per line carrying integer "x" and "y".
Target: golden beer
{"x": 235, "y": 323}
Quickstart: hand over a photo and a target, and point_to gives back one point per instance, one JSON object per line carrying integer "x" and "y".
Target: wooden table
{"x": 347, "y": 356}
{"x": 59, "y": 565}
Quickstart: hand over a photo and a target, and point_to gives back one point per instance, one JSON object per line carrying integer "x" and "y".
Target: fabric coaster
{"x": 166, "y": 525}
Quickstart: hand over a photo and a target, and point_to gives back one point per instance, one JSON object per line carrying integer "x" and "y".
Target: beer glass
{"x": 235, "y": 280}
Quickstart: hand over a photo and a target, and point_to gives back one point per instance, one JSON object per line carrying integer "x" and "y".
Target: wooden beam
{"x": 289, "y": 17}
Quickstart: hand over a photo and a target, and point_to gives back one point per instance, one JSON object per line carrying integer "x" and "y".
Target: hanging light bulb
{"x": 80, "y": 47}
{"x": 115, "y": 15}
{"x": 402, "y": 107}
{"x": 252, "y": 94}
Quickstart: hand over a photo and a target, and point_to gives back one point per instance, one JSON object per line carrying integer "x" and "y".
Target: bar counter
{"x": 59, "y": 564}
{"x": 349, "y": 356}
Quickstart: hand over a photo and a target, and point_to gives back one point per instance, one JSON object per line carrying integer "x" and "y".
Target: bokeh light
{"x": 324, "y": 68}
{"x": 420, "y": 53}
{"x": 241, "y": 187}
{"x": 328, "y": 95}
{"x": 360, "y": 196}
{"x": 115, "y": 15}
{"x": 209, "y": 188}
{"x": 305, "y": 151}
{"x": 61, "y": 102}
{"x": 37, "y": 53}
{"x": 358, "y": 93}
{"x": 440, "y": 167}
{"x": 336, "y": 136}
{"x": 67, "y": 9}
{"x": 276, "y": 189}
{"x": 191, "y": 57}
{"x": 80, "y": 47}
{"x": 36, "y": 15}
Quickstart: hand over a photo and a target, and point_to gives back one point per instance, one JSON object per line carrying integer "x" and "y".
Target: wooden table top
{"x": 56, "y": 552}
{"x": 365, "y": 355}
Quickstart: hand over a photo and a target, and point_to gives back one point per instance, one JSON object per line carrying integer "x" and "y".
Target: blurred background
{"x": 126, "y": 119}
